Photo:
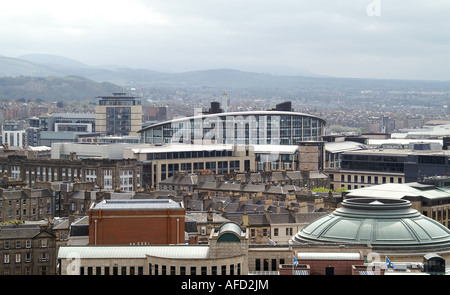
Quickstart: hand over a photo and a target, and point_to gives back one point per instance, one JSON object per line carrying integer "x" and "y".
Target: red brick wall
{"x": 157, "y": 227}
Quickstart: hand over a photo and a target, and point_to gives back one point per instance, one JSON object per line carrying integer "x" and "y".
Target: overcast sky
{"x": 403, "y": 39}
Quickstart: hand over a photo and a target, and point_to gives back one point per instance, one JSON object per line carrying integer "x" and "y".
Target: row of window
{"x": 43, "y": 257}
{"x": 155, "y": 269}
{"x": 43, "y": 243}
{"x": 266, "y": 264}
{"x": 255, "y": 129}
{"x": 25, "y": 213}
{"x": 27, "y": 270}
{"x": 368, "y": 179}
{"x": 25, "y": 201}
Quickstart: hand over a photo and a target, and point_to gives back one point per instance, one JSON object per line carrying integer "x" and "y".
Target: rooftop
{"x": 114, "y": 252}
{"x": 386, "y": 224}
{"x": 136, "y": 204}
{"x": 400, "y": 191}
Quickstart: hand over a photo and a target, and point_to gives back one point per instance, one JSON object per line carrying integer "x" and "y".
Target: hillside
{"x": 54, "y": 88}
{"x": 60, "y": 78}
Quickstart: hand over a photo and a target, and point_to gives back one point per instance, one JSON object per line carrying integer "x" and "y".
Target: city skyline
{"x": 360, "y": 39}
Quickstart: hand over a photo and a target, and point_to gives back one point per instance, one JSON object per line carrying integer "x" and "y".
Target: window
{"x": 275, "y": 232}
{"x": 182, "y": 270}
{"x": 44, "y": 256}
{"x": 6, "y": 258}
{"x": 257, "y": 264}
{"x": 18, "y": 258}
{"x": 266, "y": 264}
{"x": 193, "y": 270}
{"x": 203, "y": 270}
{"x": 43, "y": 243}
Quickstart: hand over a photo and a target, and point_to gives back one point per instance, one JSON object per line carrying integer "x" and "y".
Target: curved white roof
{"x": 106, "y": 252}
{"x": 231, "y": 114}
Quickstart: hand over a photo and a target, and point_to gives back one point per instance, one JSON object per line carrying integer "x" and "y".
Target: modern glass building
{"x": 271, "y": 127}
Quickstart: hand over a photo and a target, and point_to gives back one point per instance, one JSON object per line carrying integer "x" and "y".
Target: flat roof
{"x": 328, "y": 256}
{"x": 399, "y": 191}
{"x": 181, "y": 148}
{"x": 107, "y": 252}
{"x": 399, "y": 152}
{"x": 137, "y": 204}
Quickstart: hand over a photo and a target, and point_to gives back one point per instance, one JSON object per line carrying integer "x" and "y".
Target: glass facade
{"x": 118, "y": 120}
{"x": 287, "y": 128}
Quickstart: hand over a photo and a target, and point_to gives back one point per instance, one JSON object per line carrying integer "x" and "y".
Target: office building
{"x": 278, "y": 126}
{"x": 366, "y": 167}
{"x": 118, "y": 114}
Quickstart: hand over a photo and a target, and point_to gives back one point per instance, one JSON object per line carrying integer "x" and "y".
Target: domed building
{"x": 390, "y": 226}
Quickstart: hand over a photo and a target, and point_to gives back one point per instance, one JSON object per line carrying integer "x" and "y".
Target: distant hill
{"x": 52, "y": 60}
{"x": 12, "y": 67}
{"x": 44, "y": 65}
{"x": 54, "y": 88}
{"x": 52, "y": 77}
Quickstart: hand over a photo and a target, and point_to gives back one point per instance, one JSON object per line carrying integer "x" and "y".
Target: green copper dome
{"x": 385, "y": 224}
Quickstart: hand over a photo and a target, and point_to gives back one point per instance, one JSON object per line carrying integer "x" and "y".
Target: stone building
{"x": 225, "y": 255}
{"x": 27, "y": 249}
{"x": 123, "y": 174}
{"x": 25, "y": 204}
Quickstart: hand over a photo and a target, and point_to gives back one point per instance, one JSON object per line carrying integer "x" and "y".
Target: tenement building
{"x": 25, "y": 204}
{"x": 123, "y": 174}
{"x": 27, "y": 249}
